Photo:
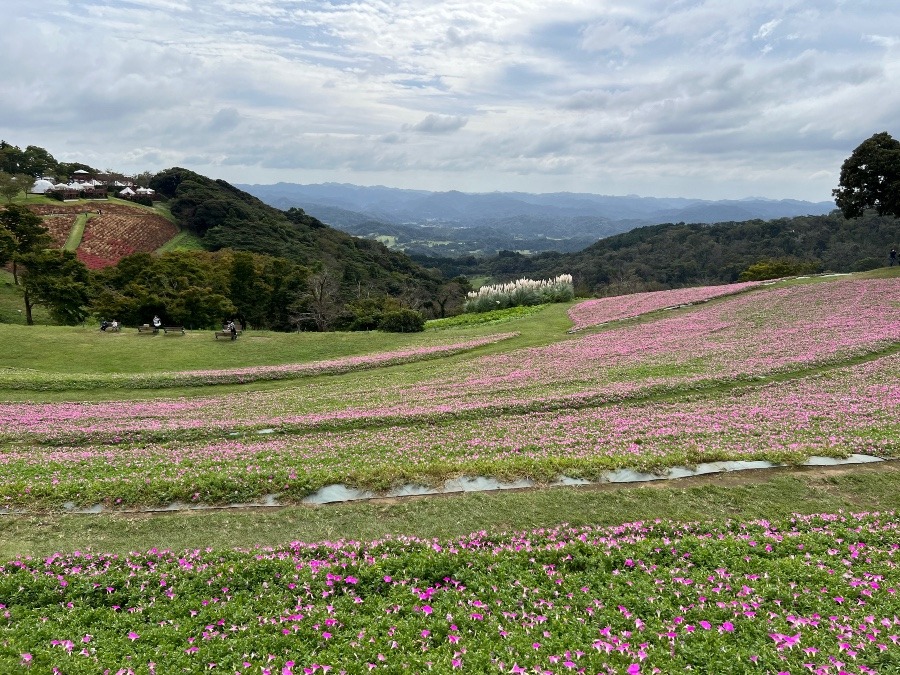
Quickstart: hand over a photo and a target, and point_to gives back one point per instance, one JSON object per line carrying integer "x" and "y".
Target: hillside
{"x": 671, "y": 255}
{"x": 226, "y": 217}
{"x": 116, "y": 445}
{"x": 112, "y": 230}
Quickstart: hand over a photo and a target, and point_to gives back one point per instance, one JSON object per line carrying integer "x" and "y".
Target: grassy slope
{"x": 756, "y": 495}
{"x": 52, "y": 349}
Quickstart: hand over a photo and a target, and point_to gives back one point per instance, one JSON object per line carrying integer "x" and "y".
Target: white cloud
{"x": 439, "y": 124}
{"x": 704, "y": 98}
{"x": 766, "y": 29}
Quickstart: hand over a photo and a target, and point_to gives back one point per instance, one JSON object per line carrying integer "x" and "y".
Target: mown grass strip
{"x": 744, "y": 495}
{"x": 77, "y": 232}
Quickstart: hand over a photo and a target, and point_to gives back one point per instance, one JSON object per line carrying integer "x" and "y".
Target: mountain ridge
{"x": 469, "y": 221}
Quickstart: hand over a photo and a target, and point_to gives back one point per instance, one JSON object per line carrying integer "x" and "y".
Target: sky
{"x": 713, "y": 99}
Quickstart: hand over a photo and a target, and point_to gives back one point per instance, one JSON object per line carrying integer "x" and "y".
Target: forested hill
{"x": 672, "y": 255}
{"x": 226, "y": 217}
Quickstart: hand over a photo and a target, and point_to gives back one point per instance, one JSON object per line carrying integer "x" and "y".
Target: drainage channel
{"x": 337, "y": 493}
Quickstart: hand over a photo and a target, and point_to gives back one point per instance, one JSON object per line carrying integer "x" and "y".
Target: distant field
{"x": 111, "y": 231}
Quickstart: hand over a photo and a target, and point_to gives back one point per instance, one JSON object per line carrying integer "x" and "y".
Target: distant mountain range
{"x": 458, "y": 223}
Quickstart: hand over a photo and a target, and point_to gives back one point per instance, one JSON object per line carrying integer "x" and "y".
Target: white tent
{"x": 41, "y": 186}
{"x": 127, "y": 192}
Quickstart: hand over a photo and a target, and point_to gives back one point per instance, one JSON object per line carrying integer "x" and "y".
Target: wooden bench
{"x": 147, "y": 328}
{"x": 173, "y": 329}
{"x": 225, "y": 334}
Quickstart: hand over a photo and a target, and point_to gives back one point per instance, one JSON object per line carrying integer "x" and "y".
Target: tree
{"x": 11, "y": 184}
{"x": 58, "y": 281}
{"x": 21, "y": 232}
{"x": 870, "y": 178}
{"x": 320, "y": 305}
{"x": 451, "y": 295}
{"x": 37, "y": 161}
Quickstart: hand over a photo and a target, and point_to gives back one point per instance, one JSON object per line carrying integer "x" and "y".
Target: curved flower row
{"x": 851, "y": 410}
{"x": 748, "y": 336}
{"x": 603, "y": 310}
{"x": 810, "y": 594}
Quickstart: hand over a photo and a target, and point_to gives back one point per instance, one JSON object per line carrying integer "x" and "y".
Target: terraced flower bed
{"x": 749, "y": 336}
{"x": 603, "y": 310}
{"x": 810, "y": 594}
{"x": 849, "y": 410}
{"x": 118, "y": 230}
{"x": 121, "y": 231}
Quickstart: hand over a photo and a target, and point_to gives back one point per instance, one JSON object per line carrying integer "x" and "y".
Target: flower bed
{"x": 615, "y": 308}
{"x": 749, "y": 336}
{"x": 115, "y": 234}
{"x": 810, "y": 594}
{"x": 851, "y": 410}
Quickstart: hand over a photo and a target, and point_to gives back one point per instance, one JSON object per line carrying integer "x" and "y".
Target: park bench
{"x": 147, "y": 328}
{"x": 173, "y": 329}
{"x": 225, "y": 334}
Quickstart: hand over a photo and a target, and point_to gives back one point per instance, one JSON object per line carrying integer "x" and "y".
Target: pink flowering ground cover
{"x": 603, "y": 310}
{"x": 848, "y": 410}
{"x": 741, "y": 338}
{"x": 810, "y": 594}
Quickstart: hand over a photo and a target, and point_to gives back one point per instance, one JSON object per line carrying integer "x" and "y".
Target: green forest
{"x": 682, "y": 254}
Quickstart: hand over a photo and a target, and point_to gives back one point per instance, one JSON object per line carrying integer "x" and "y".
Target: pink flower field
{"x": 847, "y": 410}
{"x": 776, "y": 374}
{"x": 603, "y": 310}
{"x": 680, "y": 390}
{"x": 751, "y": 335}
{"x": 810, "y": 594}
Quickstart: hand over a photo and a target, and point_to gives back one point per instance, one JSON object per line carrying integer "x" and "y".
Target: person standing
{"x": 233, "y": 330}
{"x": 893, "y": 257}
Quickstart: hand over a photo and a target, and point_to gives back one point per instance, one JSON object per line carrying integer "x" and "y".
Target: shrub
{"x": 402, "y": 321}
{"x": 775, "y": 268}
{"x": 866, "y": 264}
{"x": 521, "y": 293}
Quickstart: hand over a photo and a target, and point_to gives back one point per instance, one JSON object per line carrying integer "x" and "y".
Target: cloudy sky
{"x": 692, "y": 98}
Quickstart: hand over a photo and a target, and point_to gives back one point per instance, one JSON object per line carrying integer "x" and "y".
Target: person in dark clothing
{"x": 233, "y": 330}
{"x": 893, "y": 256}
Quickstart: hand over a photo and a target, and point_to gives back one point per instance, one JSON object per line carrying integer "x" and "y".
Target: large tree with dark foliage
{"x": 870, "y": 178}
{"x": 57, "y": 280}
{"x": 53, "y": 278}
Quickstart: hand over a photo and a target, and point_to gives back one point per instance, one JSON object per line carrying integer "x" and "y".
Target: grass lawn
{"x": 752, "y": 495}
